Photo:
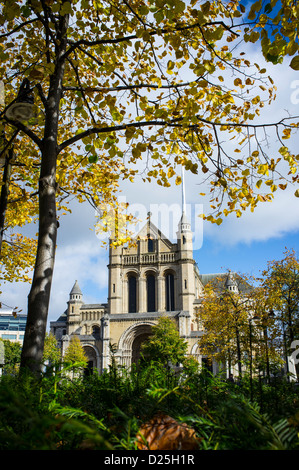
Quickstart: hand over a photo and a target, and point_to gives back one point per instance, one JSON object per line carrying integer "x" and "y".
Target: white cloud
{"x": 270, "y": 220}
{"x": 85, "y": 262}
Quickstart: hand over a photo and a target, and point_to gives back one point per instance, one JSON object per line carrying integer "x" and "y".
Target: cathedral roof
{"x": 76, "y": 289}
{"x": 62, "y": 318}
{"x": 223, "y": 280}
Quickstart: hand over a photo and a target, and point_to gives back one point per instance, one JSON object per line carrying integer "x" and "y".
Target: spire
{"x": 184, "y": 224}
{"x": 76, "y": 289}
{"x": 183, "y": 191}
{"x": 231, "y": 283}
{"x": 149, "y": 214}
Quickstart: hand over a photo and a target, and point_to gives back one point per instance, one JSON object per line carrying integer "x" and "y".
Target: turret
{"x": 115, "y": 279}
{"x": 231, "y": 283}
{"x": 74, "y": 305}
{"x": 76, "y": 294}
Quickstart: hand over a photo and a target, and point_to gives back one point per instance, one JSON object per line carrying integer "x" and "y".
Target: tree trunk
{"x": 239, "y": 353}
{"x": 5, "y": 192}
{"x": 39, "y": 296}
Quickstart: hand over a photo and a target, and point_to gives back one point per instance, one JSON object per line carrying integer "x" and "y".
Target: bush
{"x": 107, "y": 411}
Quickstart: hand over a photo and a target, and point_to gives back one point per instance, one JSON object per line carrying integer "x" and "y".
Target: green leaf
{"x": 66, "y": 8}
{"x": 272, "y": 58}
{"x": 93, "y": 158}
{"x": 268, "y": 8}
{"x": 295, "y": 63}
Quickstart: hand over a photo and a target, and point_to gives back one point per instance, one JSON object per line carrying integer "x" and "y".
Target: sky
{"x": 244, "y": 244}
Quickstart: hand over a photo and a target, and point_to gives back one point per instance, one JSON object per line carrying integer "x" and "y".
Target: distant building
{"x": 153, "y": 278}
{"x": 12, "y": 327}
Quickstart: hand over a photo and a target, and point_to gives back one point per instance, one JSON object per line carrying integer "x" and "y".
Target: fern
{"x": 277, "y": 436}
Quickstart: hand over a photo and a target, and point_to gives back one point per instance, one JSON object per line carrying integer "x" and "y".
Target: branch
{"x": 75, "y": 68}
{"x": 171, "y": 123}
{"x": 126, "y": 87}
{"x": 20, "y": 26}
{"x": 9, "y": 142}
{"x": 103, "y": 130}
{"x": 21, "y": 127}
{"x": 85, "y": 42}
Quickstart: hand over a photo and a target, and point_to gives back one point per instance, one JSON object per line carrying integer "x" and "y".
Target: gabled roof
{"x": 149, "y": 228}
{"x": 152, "y": 230}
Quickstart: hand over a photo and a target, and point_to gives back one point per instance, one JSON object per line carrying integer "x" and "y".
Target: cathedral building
{"x": 155, "y": 277}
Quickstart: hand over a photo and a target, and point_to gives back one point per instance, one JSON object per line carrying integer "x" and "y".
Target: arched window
{"x": 132, "y": 283}
{"x": 169, "y": 280}
{"x": 151, "y": 293}
{"x": 96, "y": 331}
{"x": 150, "y": 245}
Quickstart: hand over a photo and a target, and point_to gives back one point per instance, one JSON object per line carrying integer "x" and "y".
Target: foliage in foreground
{"x": 108, "y": 411}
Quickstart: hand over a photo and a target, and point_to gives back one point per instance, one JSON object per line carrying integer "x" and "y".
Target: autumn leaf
{"x": 164, "y": 433}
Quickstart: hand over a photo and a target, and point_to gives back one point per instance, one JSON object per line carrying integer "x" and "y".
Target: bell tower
{"x": 115, "y": 285}
{"x": 73, "y": 311}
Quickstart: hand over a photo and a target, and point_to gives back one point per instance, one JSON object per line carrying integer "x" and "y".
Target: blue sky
{"x": 248, "y": 258}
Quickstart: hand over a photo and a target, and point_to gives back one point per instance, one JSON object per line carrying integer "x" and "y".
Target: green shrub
{"x": 62, "y": 411}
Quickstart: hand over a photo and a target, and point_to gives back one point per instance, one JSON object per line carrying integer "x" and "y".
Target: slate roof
{"x": 223, "y": 280}
{"x": 76, "y": 289}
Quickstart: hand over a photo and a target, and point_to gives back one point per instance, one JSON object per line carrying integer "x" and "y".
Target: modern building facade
{"x": 12, "y": 327}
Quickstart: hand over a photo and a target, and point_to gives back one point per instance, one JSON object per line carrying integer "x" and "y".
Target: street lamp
{"x": 22, "y": 108}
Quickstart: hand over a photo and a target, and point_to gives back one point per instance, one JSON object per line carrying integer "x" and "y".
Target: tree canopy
{"x": 75, "y": 353}
{"x": 116, "y": 82}
{"x": 281, "y": 283}
{"x": 240, "y": 331}
{"x": 165, "y": 344}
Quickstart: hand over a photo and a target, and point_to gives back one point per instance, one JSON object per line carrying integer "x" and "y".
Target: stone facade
{"x": 154, "y": 277}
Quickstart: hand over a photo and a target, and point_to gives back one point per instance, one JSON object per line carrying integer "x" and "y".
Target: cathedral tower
{"x": 185, "y": 257}
{"x": 73, "y": 310}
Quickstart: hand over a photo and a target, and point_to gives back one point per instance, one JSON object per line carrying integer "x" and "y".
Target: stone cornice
{"x": 144, "y": 315}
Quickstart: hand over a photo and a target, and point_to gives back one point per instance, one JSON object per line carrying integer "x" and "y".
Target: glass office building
{"x": 12, "y": 327}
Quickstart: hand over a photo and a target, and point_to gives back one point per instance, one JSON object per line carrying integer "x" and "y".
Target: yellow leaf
{"x": 286, "y": 134}
{"x": 238, "y": 82}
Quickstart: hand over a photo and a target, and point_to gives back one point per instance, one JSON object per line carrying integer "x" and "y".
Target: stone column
{"x": 161, "y": 292}
{"x": 184, "y": 324}
{"x": 125, "y": 303}
{"x": 141, "y": 294}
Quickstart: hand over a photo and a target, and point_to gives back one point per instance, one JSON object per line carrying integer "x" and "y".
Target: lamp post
{"x": 21, "y": 109}
{"x": 251, "y": 319}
